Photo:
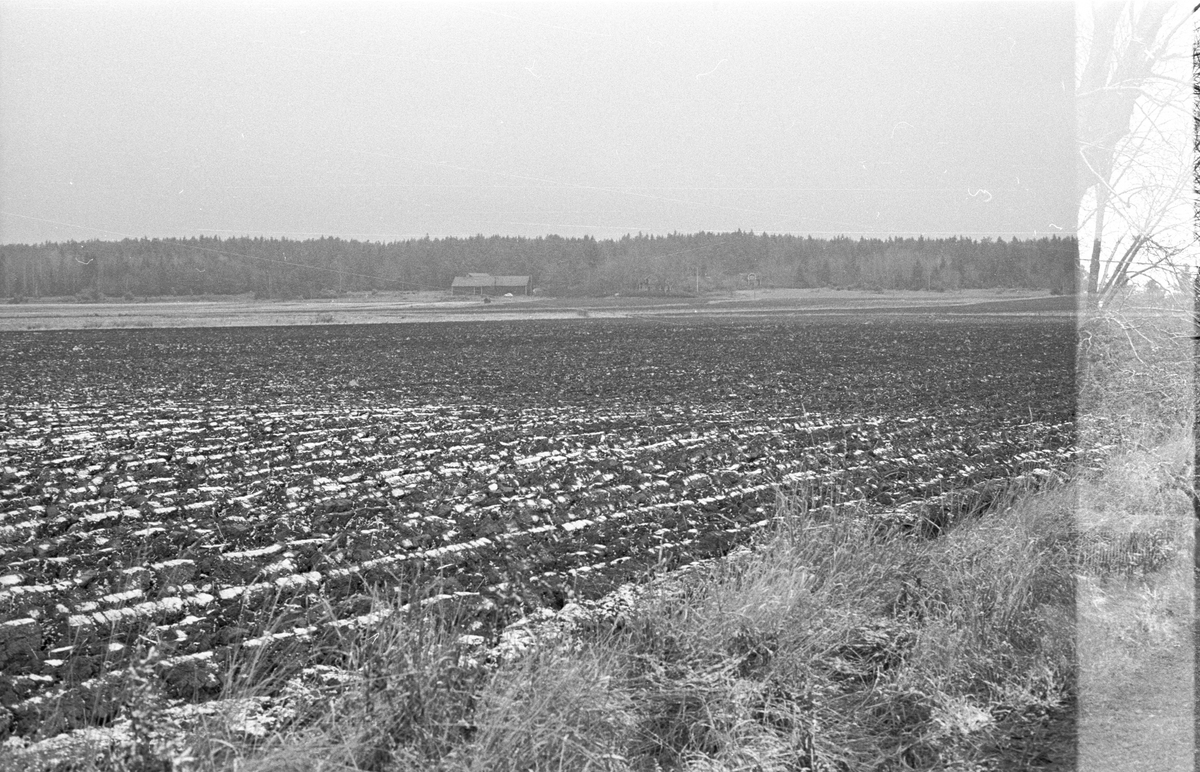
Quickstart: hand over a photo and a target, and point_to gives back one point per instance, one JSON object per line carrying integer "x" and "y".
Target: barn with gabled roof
{"x": 489, "y": 284}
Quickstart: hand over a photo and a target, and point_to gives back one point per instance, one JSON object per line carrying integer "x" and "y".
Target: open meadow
{"x": 432, "y": 306}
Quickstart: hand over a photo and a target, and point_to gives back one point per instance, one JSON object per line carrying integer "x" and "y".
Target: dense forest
{"x": 660, "y": 265}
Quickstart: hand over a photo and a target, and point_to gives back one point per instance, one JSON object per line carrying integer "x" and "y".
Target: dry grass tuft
{"x": 555, "y": 709}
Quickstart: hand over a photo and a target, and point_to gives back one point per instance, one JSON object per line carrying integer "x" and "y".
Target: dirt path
{"x": 1136, "y": 689}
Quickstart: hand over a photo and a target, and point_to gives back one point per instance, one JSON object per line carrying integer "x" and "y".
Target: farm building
{"x": 487, "y": 284}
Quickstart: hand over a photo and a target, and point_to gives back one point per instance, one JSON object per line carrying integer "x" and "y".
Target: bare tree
{"x": 1132, "y": 121}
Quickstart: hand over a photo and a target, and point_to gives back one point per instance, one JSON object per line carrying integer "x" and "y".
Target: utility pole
{"x": 697, "y": 281}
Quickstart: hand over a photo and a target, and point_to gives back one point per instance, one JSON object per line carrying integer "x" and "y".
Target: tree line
{"x": 675, "y": 264}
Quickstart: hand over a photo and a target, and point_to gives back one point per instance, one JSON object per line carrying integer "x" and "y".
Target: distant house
{"x": 487, "y": 284}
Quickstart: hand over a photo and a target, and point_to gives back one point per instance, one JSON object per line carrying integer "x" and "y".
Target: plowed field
{"x": 189, "y": 486}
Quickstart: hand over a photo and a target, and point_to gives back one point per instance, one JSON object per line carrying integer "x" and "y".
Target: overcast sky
{"x": 382, "y": 121}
